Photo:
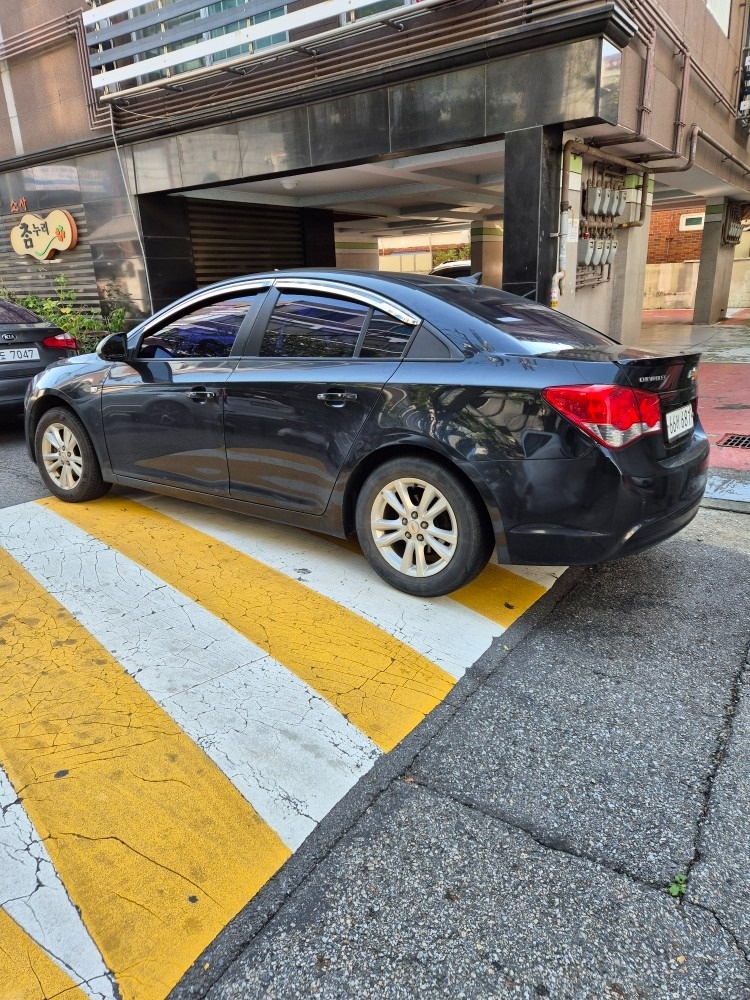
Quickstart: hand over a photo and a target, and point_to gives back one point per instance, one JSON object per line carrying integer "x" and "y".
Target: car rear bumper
{"x": 587, "y": 511}
{"x": 13, "y": 391}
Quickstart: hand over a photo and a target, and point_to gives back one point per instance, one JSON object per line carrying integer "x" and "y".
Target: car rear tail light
{"x": 613, "y": 415}
{"x": 61, "y": 341}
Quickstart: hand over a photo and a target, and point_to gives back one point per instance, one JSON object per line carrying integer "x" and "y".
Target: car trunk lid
{"x": 22, "y": 348}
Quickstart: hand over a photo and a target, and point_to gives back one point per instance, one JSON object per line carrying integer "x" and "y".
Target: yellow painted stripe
{"x": 381, "y": 685}
{"x": 27, "y": 972}
{"x": 109, "y": 782}
{"x": 497, "y": 593}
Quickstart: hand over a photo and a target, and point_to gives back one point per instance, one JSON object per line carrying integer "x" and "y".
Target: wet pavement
{"x": 724, "y": 392}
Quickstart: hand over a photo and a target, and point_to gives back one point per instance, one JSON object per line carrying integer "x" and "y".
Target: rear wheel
{"x": 420, "y": 527}
{"x": 66, "y": 458}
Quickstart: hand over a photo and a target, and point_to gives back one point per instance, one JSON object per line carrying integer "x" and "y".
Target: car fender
{"x": 82, "y": 396}
{"x": 365, "y": 455}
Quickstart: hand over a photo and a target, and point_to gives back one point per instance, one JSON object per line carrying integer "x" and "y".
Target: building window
{"x": 721, "y": 10}
{"x": 692, "y": 221}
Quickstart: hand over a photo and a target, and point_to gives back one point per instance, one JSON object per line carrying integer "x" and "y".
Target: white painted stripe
{"x": 289, "y": 752}
{"x": 442, "y": 630}
{"x": 545, "y": 576}
{"x": 32, "y": 894}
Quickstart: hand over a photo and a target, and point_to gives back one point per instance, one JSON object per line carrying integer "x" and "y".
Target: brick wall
{"x": 666, "y": 244}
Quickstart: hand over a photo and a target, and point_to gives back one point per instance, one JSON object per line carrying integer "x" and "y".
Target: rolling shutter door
{"x": 231, "y": 238}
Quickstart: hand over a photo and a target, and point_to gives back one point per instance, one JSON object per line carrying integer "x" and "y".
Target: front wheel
{"x": 66, "y": 458}
{"x": 420, "y": 527}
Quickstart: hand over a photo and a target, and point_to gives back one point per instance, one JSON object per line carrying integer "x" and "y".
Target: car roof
{"x": 452, "y": 265}
{"x": 12, "y": 313}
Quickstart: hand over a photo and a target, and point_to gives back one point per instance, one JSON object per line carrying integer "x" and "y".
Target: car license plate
{"x": 679, "y": 421}
{"x": 19, "y": 354}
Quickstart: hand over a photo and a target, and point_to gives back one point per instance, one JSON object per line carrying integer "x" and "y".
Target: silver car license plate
{"x": 679, "y": 421}
{"x": 19, "y": 354}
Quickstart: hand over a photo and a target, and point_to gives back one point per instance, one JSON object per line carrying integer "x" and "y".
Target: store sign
{"x": 43, "y": 238}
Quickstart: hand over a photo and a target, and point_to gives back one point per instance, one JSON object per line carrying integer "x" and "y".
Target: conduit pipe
{"x": 696, "y": 133}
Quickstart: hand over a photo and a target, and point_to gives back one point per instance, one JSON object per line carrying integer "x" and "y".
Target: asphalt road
{"x": 19, "y": 480}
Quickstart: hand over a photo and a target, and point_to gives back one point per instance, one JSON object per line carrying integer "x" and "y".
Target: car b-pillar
{"x": 531, "y": 210}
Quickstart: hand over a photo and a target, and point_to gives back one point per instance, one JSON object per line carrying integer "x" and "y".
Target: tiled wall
{"x": 106, "y": 267}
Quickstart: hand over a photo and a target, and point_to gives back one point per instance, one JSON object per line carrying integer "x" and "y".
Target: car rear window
{"x": 11, "y": 313}
{"x": 534, "y": 328}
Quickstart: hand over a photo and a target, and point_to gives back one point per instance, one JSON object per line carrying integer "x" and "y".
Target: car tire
{"x": 66, "y": 458}
{"x": 441, "y": 549}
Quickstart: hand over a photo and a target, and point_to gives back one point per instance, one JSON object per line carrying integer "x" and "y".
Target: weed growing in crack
{"x": 678, "y": 885}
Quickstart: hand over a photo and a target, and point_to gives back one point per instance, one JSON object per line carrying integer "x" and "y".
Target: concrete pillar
{"x": 317, "y": 237}
{"x": 715, "y": 270}
{"x": 532, "y": 210}
{"x": 487, "y": 251}
{"x": 629, "y": 269}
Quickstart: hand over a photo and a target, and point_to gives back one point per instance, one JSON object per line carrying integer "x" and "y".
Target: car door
{"x": 163, "y": 410}
{"x": 293, "y": 409}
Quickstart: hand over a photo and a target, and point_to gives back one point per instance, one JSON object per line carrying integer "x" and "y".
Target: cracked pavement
{"x": 522, "y": 842}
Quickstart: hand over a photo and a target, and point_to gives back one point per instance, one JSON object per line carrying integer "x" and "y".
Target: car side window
{"x": 208, "y": 332}
{"x": 313, "y": 325}
{"x": 386, "y": 336}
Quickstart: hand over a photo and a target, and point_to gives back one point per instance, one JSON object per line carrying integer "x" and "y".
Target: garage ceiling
{"x": 429, "y": 192}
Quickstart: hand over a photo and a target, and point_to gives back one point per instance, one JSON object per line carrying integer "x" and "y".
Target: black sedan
{"x": 27, "y": 345}
{"x": 437, "y": 420}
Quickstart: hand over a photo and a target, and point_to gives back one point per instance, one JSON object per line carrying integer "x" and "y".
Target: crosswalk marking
{"x": 381, "y": 685}
{"x": 26, "y": 972}
{"x": 34, "y": 898}
{"x": 192, "y": 691}
{"x": 500, "y": 595}
{"x": 289, "y": 752}
{"x": 109, "y": 781}
{"x": 447, "y": 633}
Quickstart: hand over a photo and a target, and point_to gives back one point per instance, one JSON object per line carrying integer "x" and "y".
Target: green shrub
{"x": 441, "y": 255}
{"x": 86, "y": 325}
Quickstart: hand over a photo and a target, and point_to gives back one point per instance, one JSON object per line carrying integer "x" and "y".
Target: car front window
{"x": 208, "y": 332}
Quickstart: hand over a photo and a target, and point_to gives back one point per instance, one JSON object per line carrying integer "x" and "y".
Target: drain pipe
{"x": 696, "y": 133}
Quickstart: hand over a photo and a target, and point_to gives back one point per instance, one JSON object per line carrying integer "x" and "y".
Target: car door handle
{"x": 201, "y": 395}
{"x": 337, "y": 397}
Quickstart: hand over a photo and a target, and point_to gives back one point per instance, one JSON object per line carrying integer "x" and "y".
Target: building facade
{"x": 189, "y": 141}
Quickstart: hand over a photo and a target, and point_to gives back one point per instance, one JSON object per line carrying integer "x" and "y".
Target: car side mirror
{"x": 113, "y": 348}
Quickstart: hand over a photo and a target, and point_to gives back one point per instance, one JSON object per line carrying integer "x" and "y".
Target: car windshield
{"x": 11, "y": 313}
{"x": 536, "y": 329}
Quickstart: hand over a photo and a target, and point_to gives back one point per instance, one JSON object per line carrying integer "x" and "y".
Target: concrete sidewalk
{"x": 724, "y": 392}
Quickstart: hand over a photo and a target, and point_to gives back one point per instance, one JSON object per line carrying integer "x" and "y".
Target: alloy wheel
{"x": 414, "y": 527}
{"x": 61, "y": 454}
